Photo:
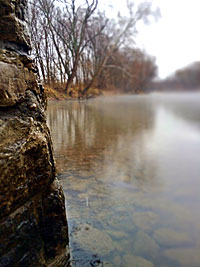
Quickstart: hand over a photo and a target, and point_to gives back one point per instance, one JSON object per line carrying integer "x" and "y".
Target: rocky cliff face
{"x": 33, "y": 227}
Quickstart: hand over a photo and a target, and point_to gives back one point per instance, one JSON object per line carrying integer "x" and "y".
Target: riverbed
{"x": 130, "y": 170}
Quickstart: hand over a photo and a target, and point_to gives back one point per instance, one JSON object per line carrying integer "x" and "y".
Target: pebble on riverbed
{"x": 92, "y": 239}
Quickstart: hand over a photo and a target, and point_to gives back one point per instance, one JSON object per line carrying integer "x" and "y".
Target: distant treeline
{"x": 77, "y": 47}
{"x": 187, "y": 78}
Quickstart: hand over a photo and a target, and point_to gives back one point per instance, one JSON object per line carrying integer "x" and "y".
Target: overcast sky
{"x": 175, "y": 39}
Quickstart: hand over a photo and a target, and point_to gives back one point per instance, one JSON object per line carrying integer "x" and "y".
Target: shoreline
{"x": 55, "y": 95}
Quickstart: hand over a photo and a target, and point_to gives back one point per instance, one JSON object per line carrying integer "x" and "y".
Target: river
{"x": 130, "y": 170}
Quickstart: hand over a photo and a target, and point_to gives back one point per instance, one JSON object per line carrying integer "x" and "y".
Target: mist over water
{"x": 130, "y": 169}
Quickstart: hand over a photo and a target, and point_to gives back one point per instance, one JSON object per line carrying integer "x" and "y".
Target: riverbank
{"x": 53, "y": 94}
{"x": 59, "y": 94}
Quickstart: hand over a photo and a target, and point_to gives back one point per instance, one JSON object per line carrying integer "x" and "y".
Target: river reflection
{"x": 130, "y": 168}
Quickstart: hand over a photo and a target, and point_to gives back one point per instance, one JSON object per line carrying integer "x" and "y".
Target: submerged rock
{"x": 144, "y": 245}
{"x": 94, "y": 240}
{"x": 117, "y": 234}
{"x": 33, "y": 226}
{"x": 135, "y": 261}
{"x": 117, "y": 261}
{"x": 184, "y": 256}
{"x": 145, "y": 220}
{"x": 168, "y": 237}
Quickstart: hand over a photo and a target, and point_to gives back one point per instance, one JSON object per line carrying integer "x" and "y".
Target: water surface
{"x": 130, "y": 169}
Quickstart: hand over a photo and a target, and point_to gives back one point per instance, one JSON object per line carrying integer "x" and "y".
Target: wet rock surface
{"x": 13, "y": 27}
{"x": 33, "y": 226}
{"x": 18, "y": 74}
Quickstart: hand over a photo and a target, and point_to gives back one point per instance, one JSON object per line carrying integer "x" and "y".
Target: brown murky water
{"x": 130, "y": 169}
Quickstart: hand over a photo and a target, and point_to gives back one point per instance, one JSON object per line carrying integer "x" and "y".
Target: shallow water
{"x": 130, "y": 169}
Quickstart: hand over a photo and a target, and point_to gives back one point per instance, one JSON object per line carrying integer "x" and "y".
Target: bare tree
{"x": 128, "y": 70}
{"x": 70, "y": 26}
{"x": 80, "y": 47}
{"x": 36, "y": 30}
{"x": 43, "y": 47}
{"x": 120, "y": 32}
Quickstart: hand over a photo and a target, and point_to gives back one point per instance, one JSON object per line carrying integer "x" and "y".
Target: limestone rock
{"x": 15, "y": 78}
{"x": 33, "y": 226}
{"x": 33, "y": 233}
{"x": 17, "y": 69}
{"x": 13, "y": 27}
{"x": 25, "y": 161}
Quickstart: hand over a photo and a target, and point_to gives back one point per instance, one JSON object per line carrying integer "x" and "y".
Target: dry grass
{"x": 54, "y": 94}
{"x": 58, "y": 93}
